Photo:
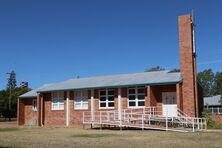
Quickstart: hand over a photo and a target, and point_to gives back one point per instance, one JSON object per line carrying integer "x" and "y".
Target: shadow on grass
{"x": 8, "y": 130}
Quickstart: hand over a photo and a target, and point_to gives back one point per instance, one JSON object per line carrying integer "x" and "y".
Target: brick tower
{"x": 188, "y": 65}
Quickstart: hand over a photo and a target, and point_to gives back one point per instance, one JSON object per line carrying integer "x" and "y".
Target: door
{"x": 169, "y": 104}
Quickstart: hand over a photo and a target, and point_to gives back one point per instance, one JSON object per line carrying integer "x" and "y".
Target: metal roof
{"x": 143, "y": 78}
{"x": 212, "y": 101}
{"x": 33, "y": 93}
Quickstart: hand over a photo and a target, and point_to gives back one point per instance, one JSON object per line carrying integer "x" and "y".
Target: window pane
{"x": 110, "y": 98}
{"x": 133, "y": 97}
{"x": 61, "y": 100}
{"x": 132, "y": 104}
{"x": 141, "y": 97}
{"x": 102, "y": 104}
{"x": 54, "y": 106}
{"x": 141, "y": 90}
{"x": 85, "y": 105}
{"x": 111, "y": 104}
{"x": 102, "y": 98}
{"x": 61, "y": 106}
{"x": 77, "y": 99}
{"x": 54, "y": 100}
{"x": 141, "y": 103}
{"x": 132, "y": 91}
{"x": 78, "y": 105}
{"x": 102, "y": 93}
{"x": 111, "y": 92}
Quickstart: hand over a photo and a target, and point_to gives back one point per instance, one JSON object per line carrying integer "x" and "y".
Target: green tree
{"x": 11, "y": 80}
{"x": 157, "y": 68}
{"x": 218, "y": 83}
{"x": 206, "y": 78}
{"x": 4, "y": 95}
{"x": 175, "y": 70}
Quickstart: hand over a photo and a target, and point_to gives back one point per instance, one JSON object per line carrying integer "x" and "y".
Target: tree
{"x": 10, "y": 87}
{"x": 157, "y": 68}
{"x": 218, "y": 83}
{"x": 11, "y": 80}
{"x": 4, "y": 95}
{"x": 8, "y": 97}
{"x": 206, "y": 78}
{"x": 175, "y": 70}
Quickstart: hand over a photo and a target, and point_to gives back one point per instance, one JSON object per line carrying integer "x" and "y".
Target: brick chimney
{"x": 188, "y": 65}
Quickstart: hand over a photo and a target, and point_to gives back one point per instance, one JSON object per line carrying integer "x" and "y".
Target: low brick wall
{"x": 217, "y": 118}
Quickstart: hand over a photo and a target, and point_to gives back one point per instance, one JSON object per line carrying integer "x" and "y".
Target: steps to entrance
{"x": 145, "y": 118}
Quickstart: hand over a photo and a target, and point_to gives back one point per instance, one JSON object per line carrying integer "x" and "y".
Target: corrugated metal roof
{"x": 212, "y": 101}
{"x": 33, "y": 93}
{"x": 157, "y": 77}
{"x": 143, "y": 78}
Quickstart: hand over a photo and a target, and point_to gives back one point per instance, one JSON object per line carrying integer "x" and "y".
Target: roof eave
{"x": 127, "y": 85}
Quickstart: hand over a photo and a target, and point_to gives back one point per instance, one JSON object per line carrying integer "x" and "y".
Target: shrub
{"x": 208, "y": 116}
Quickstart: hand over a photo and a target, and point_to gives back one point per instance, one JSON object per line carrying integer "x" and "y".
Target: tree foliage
{"x": 157, "y": 68}
{"x": 6, "y": 110}
{"x": 4, "y": 96}
{"x": 207, "y": 78}
{"x": 211, "y": 82}
{"x": 11, "y": 80}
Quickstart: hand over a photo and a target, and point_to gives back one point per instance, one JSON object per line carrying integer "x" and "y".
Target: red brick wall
{"x": 217, "y": 118}
{"x": 76, "y": 115}
{"x": 53, "y": 117}
{"x": 157, "y": 93}
{"x": 26, "y": 114}
{"x": 21, "y": 112}
{"x": 187, "y": 64}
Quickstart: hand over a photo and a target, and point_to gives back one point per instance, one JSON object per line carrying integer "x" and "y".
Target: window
{"x": 81, "y": 99}
{"x": 106, "y": 98}
{"x": 57, "y": 101}
{"x": 34, "y": 104}
{"x": 136, "y": 97}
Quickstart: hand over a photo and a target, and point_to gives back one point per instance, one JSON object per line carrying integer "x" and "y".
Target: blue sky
{"x": 51, "y": 41}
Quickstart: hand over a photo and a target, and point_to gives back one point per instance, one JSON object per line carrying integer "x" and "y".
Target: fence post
{"x": 100, "y": 120}
{"x": 83, "y": 120}
{"x": 198, "y": 123}
{"x": 166, "y": 123}
{"x": 131, "y": 113}
{"x": 124, "y": 115}
{"x": 121, "y": 121}
{"x": 142, "y": 121}
{"x": 201, "y": 123}
{"x": 149, "y": 119}
{"x": 218, "y": 111}
{"x": 193, "y": 125}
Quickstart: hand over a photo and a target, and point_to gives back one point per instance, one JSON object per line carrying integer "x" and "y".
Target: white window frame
{"x": 83, "y": 97}
{"x": 59, "y": 97}
{"x": 34, "y": 105}
{"x": 136, "y": 97}
{"x": 107, "y": 101}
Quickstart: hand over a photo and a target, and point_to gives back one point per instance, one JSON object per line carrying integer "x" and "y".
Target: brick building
{"x": 63, "y": 104}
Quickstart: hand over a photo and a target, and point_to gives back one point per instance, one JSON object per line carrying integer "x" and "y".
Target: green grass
{"x": 77, "y": 137}
{"x": 97, "y": 135}
{"x": 215, "y": 126}
{"x": 8, "y": 130}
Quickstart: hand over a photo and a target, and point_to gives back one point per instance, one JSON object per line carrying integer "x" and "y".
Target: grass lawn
{"x": 73, "y": 137}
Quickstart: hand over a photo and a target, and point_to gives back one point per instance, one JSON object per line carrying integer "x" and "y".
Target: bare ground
{"x": 77, "y": 137}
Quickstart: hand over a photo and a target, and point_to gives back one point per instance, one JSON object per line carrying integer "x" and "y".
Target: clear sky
{"x": 51, "y": 41}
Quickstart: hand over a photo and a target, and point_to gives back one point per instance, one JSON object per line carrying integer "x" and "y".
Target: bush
{"x": 8, "y": 113}
{"x": 208, "y": 116}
